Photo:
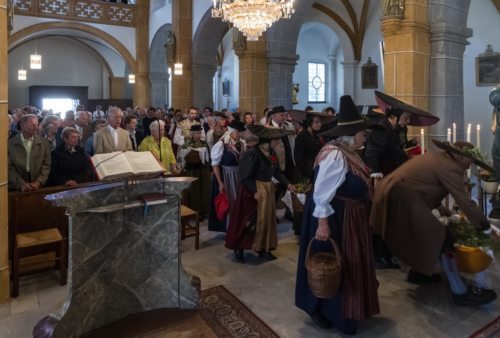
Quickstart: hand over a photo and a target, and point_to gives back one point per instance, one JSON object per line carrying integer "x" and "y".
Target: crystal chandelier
{"x": 252, "y": 17}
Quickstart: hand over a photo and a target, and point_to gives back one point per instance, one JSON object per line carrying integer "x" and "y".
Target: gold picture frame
{"x": 369, "y": 75}
{"x": 488, "y": 68}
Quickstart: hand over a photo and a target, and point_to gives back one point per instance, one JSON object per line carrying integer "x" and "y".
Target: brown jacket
{"x": 104, "y": 143}
{"x": 39, "y": 166}
{"x": 403, "y": 202}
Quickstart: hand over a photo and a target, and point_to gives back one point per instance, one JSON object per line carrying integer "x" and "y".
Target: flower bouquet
{"x": 472, "y": 248}
{"x": 299, "y": 196}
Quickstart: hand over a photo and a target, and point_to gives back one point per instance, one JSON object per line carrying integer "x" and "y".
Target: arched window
{"x": 316, "y": 75}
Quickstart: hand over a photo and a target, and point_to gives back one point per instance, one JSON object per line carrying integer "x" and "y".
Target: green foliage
{"x": 302, "y": 187}
{"x": 466, "y": 234}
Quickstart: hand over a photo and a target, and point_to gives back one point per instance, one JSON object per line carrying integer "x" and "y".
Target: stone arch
{"x": 449, "y": 34}
{"x": 158, "y": 67}
{"x": 47, "y": 26}
{"x": 206, "y": 40}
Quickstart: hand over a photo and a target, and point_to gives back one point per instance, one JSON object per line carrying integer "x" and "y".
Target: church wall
{"x": 229, "y": 71}
{"x": 371, "y": 48}
{"x": 64, "y": 63}
{"x": 315, "y": 43}
{"x": 200, "y": 7}
{"x": 160, "y": 14}
{"x": 484, "y": 21}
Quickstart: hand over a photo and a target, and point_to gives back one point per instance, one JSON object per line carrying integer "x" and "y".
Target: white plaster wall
{"x": 373, "y": 36}
{"x": 316, "y": 43}
{"x": 200, "y": 7}
{"x": 230, "y": 71}
{"x": 114, "y": 60}
{"x": 125, "y": 35}
{"x": 160, "y": 14}
{"x": 484, "y": 21}
{"x": 339, "y": 79}
{"x": 64, "y": 63}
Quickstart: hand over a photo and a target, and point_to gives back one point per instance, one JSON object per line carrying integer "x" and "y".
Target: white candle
{"x": 454, "y": 132}
{"x": 422, "y": 142}
{"x": 448, "y": 135}
{"x": 478, "y": 135}
{"x": 469, "y": 126}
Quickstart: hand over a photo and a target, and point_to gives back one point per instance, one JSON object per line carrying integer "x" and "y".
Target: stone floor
{"x": 267, "y": 288}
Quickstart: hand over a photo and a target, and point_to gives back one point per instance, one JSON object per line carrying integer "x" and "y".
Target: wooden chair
{"x": 36, "y": 227}
{"x": 188, "y": 230}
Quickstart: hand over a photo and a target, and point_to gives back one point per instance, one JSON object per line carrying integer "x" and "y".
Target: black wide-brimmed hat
{"x": 301, "y": 115}
{"x": 418, "y": 117}
{"x": 460, "y": 148}
{"x": 349, "y": 120}
{"x": 196, "y": 127}
{"x": 268, "y": 133}
{"x": 277, "y": 109}
{"x": 237, "y": 125}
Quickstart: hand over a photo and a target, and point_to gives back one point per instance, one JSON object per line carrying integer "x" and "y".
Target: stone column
{"x": 159, "y": 89}
{"x": 448, "y": 40}
{"x": 350, "y": 76}
{"x": 117, "y": 87}
{"x": 203, "y": 76}
{"x": 280, "y": 74}
{"x": 142, "y": 85}
{"x": 182, "y": 26}
{"x": 332, "y": 87}
{"x": 4, "y": 242}
{"x": 253, "y": 75}
{"x": 407, "y": 50}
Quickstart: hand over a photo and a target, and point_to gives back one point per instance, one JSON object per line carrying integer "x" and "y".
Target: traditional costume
{"x": 225, "y": 155}
{"x": 341, "y": 194}
{"x": 182, "y": 132}
{"x": 385, "y": 151}
{"x": 257, "y": 166}
{"x": 194, "y": 158}
{"x": 411, "y": 230}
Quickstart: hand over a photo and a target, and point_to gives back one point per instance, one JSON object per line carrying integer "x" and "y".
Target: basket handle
{"x": 335, "y": 248}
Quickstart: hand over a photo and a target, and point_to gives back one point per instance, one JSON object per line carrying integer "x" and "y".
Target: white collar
{"x": 113, "y": 130}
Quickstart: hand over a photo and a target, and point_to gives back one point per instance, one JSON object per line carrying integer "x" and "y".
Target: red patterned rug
{"x": 492, "y": 330}
{"x": 228, "y": 317}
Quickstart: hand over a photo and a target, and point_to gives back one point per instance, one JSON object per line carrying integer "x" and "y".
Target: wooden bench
{"x": 188, "y": 230}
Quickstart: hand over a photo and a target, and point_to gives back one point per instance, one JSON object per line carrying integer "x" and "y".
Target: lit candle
{"x": 478, "y": 135}
{"x": 422, "y": 142}
{"x": 469, "y": 126}
{"x": 448, "y": 135}
{"x": 454, "y": 132}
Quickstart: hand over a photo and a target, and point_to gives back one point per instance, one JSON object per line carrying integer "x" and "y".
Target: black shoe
{"x": 421, "y": 279}
{"x": 474, "y": 297}
{"x": 321, "y": 321}
{"x": 267, "y": 255}
{"x": 385, "y": 263}
{"x": 239, "y": 256}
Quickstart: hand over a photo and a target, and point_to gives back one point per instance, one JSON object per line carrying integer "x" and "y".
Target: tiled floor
{"x": 267, "y": 288}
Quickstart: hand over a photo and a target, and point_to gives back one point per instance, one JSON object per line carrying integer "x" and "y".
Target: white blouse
{"x": 331, "y": 175}
{"x": 217, "y": 152}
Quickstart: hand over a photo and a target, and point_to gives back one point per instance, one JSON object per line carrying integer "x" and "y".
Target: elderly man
{"x": 28, "y": 157}
{"x": 82, "y": 125}
{"x": 112, "y": 137}
{"x": 402, "y": 214}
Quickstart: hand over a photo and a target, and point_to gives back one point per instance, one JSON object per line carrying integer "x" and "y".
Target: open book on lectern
{"x": 125, "y": 164}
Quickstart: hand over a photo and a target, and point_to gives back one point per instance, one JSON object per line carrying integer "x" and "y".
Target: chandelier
{"x": 252, "y": 17}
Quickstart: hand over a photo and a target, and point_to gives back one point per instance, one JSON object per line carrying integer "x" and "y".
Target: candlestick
{"x": 478, "y": 136}
{"x": 469, "y": 126}
{"x": 422, "y": 142}
{"x": 448, "y": 135}
{"x": 454, "y": 132}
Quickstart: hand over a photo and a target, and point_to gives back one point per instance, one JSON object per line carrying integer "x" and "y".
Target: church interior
{"x": 126, "y": 250}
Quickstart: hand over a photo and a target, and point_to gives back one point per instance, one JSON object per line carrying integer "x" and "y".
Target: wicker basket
{"x": 324, "y": 271}
{"x": 471, "y": 260}
{"x": 296, "y": 204}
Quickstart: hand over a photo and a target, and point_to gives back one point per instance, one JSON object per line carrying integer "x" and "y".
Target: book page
{"x": 111, "y": 165}
{"x": 143, "y": 162}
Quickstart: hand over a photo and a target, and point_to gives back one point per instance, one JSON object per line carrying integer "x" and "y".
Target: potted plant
{"x": 472, "y": 248}
{"x": 490, "y": 184}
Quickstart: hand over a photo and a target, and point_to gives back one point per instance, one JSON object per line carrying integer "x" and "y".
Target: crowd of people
{"x": 358, "y": 169}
